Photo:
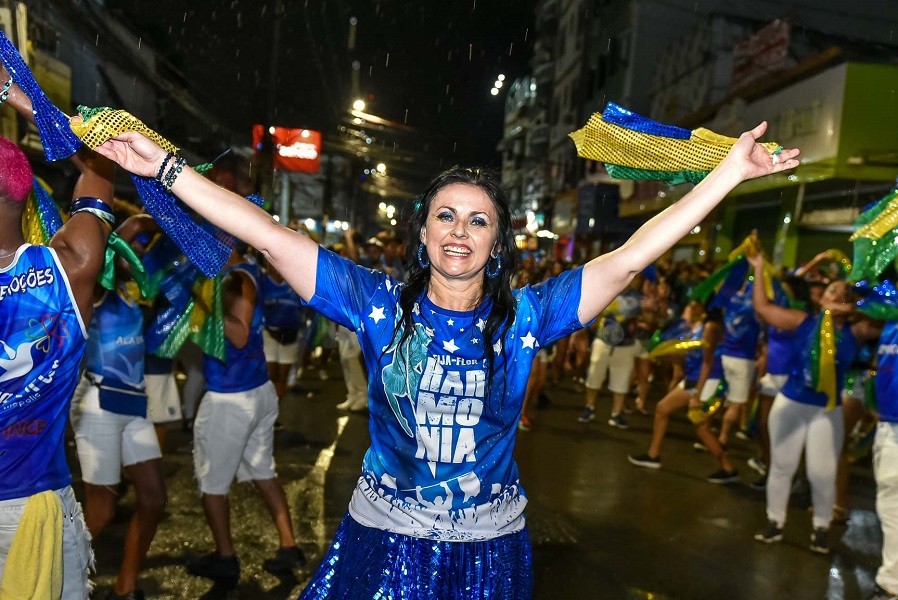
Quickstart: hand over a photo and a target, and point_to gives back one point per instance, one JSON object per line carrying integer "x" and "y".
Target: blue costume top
{"x": 800, "y": 385}
{"x": 741, "y": 329}
{"x": 780, "y": 345}
{"x": 43, "y": 339}
{"x": 280, "y": 304}
{"x": 243, "y": 369}
{"x": 440, "y": 464}
{"x": 886, "y": 377}
{"x": 115, "y": 354}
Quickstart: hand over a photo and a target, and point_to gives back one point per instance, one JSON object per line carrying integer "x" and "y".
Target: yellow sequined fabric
{"x": 110, "y": 123}
{"x": 827, "y": 369}
{"x": 669, "y": 347}
{"x": 605, "y": 142}
{"x": 749, "y": 247}
{"x": 881, "y": 225}
{"x": 697, "y": 415}
{"x": 203, "y": 291}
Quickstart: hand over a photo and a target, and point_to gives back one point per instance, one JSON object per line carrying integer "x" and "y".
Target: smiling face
{"x": 460, "y": 232}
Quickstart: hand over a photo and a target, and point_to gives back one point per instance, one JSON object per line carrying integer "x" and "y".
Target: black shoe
{"x": 882, "y": 594}
{"x": 820, "y": 541}
{"x": 225, "y": 569}
{"x": 285, "y": 560}
{"x": 278, "y": 425}
{"x": 644, "y": 460}
{"x": 135, "y": 595}
{"x": 723, "y": 476}
{"x": 760, "y": 484}
{"x": 772, "y": 533}
{"x": 618, "y": 421}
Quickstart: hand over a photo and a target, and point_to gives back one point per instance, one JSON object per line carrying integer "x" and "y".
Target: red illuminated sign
{"x": 293, "y": 149}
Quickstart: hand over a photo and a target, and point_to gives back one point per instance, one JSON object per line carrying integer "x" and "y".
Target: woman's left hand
{"x": 753, "y": 160}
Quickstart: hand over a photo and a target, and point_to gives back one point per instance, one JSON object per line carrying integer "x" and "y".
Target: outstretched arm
{"x": 787, "y": 319}
{"x": 606, "y": 276}
{"x": 81, "y": 242}
{"x": 292, "y": 254}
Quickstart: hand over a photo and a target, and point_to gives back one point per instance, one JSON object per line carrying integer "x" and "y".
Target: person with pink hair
{"x": 45, "y": 303}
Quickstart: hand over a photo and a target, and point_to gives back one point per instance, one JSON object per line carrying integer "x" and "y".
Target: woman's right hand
{"x": 134, "y": 152}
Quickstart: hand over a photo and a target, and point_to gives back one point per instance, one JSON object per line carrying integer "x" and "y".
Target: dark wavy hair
{"x": 497, "y": 289}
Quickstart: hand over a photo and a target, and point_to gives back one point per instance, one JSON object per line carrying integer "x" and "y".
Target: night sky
{"x": 426, "y": 64}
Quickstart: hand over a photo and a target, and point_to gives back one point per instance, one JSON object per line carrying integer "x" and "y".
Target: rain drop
{"x": 139, "y": 42}
{"x": 185, "y": 18}
{"x": 370, "y": 69}
{"x": 475, "y": 5}
{"x": 388, "y": 60}
{"x": 447, "y": 89}
{"x": 97, "y": 41}
{"x": 510, "y": 48}
{"x": 470, "y": 50}
{"x": 454, "y": 146}
{"x": 526, "y": 33}
{"x": 405, "y": 120}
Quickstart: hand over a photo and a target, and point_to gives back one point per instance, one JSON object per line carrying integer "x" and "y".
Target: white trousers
{"x": 885, "y": 468}
{"x": 795, "y": 427}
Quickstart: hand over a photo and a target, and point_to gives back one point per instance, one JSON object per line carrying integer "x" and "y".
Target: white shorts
{"x": 107, "y": 441}
{"x": 163, "y": 400}
{"x": 708, "y": 390}
{"x": 276, "y": 352}
{"x": 770, "y": 385}
{"x": 233, "y": 435}
{"x": 739, "y": 373}
{"x": 77, "y": 556}
{"x": 614, "y": 362}
{"x": 642, "y": 349}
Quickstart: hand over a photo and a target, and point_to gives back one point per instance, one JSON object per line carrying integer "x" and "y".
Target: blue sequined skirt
{"x": 365, "y": 563}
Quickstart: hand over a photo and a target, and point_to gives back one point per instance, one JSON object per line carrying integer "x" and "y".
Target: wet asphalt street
{"x": 601, "y": 528}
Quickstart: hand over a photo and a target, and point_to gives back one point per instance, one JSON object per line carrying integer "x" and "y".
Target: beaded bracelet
{"x": 4, "y": 91}
{"x": 95, "y": 206}
{"x": 162, "y": 166}
{"x": 168, "y": 180}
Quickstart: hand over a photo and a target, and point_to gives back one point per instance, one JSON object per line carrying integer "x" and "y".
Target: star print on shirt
{"x": 450, "y": 346}
{"x": 377, "y": 314}
{"x": 416, "y": 310}
{"x": 528, "y": 341}
{"x": 450, "y": 322}
{"x": 497, "y": 347}
{"x": 481, "y": 324}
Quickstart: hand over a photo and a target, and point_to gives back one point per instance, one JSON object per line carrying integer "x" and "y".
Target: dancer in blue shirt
{"x": 438, "y": 511}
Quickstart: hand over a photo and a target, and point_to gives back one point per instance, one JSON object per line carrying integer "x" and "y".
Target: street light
{"x": 358, "y": 105}
{"x": 381, "y": 168}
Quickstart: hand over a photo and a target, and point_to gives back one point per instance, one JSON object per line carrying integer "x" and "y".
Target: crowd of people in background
{"x": 746, "y": 369}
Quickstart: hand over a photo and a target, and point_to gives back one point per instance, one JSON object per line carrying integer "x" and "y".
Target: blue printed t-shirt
{"x": 115, "y": 348}
{"x": 695, "y": 358}
{"x": 741, "y": 329}
{"x": 780, "y": 346}
{"x": 42, "y": 340}
{"x": 440, "y": 464}
{"x": 243, "y": 368}
{"x": 800, "y": 385}
{"x": 886, "y": 376}
{"x": 280, "y": 304}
